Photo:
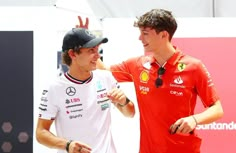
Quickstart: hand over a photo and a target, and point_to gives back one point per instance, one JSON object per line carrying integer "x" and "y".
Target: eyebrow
{"x": 145, "y": 29}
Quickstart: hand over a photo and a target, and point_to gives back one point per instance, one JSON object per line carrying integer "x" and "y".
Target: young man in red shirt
{"x": 167, "y": 83}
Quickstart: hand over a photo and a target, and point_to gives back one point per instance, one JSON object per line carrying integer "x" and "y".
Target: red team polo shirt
{"x": 185, "y": 78}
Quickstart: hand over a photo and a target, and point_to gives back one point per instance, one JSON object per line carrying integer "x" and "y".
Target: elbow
{"x": 221, "y": 113}
{"x": 127, "y": 110}
{"x": 132, "y": 112}
{"x": 218, "y": 110}
{"x": 39, "y": 137}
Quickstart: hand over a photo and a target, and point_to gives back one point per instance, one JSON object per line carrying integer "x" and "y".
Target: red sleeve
{"x": 123, "y": 71}
{"x": 205, "y": 86}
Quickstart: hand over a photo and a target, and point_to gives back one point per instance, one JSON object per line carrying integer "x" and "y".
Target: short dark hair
{"x": 158, "y": 19}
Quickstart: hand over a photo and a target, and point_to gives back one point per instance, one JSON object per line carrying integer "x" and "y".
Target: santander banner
{"x": 218, "y": 54}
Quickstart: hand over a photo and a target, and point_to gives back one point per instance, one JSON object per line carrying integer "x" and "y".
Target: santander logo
{"x": 178, "y": 80}
{"x": 218, "y": 126}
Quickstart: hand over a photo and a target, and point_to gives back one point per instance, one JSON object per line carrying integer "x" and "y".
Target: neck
{"x": 80, "y": 75}
{"x": 165, "y": 54}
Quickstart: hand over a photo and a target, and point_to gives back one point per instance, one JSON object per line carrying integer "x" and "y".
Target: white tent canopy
{"x": 133, "y": 8}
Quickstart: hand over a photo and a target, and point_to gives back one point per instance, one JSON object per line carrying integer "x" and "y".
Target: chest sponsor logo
{"x": 178, "y": 83}
{"x": 143, "y": 90}
{"x": 76, "y": 105}
{"x": 176, "y": 93}
{"x": 72, "y": 100}
{"x": 144, "y": 76}
{"x": 104, "y": 106}
{"x": 70, "y": 91}
{"x": 178, "y": 80}
{"x": 181, "y": 66}
{"x": 102, "y": 97}
{"x": 75, "y": 116}
{"x": 99, "y": 85}
{"x": 73, "y": 111}
{"x": 73, "y": 107}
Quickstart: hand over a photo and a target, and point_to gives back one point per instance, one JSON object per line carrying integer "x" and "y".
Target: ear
{"x": 164, "y": 34}
{"x": 71, "y": 53}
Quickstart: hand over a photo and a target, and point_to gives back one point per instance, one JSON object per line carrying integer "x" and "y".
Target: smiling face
{"x": 152, "y": 41}
{"x": 85, "y": 60}
{"x": 157, "y": 28}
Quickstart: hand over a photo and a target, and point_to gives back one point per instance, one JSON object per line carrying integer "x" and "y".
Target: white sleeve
{"x": 47, "y": 109}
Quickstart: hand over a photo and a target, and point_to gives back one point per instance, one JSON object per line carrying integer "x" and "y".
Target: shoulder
{"x": 130, "y": 64}
{"x": 57, "y": 82}
{"x": 102, "y": 73}
{"x": 190, "y": 63}
{"x": 188, "y": 59}
{"x": 139, "y": 58}
{"x": 137, "y": 61}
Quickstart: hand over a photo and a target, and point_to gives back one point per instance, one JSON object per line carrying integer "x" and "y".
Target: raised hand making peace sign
{"x": 81, "y": 25}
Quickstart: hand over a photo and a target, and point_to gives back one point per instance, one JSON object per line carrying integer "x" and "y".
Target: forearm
{"x": 210, "y": 115}
{"x": 127, "y": 109}
{"x": 48, "y": 139}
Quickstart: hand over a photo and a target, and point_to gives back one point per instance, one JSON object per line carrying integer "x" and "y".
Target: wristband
{"x": 195, "y": 120}
{"x": 68, "y": 145}
{"x": 126, "y": 102}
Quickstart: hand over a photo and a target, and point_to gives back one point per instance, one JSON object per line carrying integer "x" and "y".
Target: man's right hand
{"x": 80, "y": 147}
{"x": 81, "y": 25}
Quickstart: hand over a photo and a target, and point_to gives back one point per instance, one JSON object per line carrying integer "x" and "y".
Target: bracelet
{"x": 126, "y": 102}
{"x": 68, "y": 145}
{"x": 195, "y": 120}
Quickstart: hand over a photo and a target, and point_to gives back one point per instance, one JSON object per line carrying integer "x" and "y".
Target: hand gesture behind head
{"x": 81, "y": 25}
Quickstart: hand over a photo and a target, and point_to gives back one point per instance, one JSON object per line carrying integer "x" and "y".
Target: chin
{"x": 93, "y": 68}
{"x": 147, "y": 52}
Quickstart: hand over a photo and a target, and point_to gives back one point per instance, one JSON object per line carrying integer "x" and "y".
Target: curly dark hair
{"x": 158, "y": 19}
{"x": 66, "y": 58}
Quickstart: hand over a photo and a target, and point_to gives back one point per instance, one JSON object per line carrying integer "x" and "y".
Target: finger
{"x": 86, "y": 23}
{"x": 182, "y": 130}
{"x": 173, "y": 128}
{"x": 86, "y": 147}
{"x": 176, "y": 128}
{"x": 113, "y": 92}
{"x": 80, "y": 21}
{"x": 119, "y": 96}
{"x": 84, "y": 150}
{"x": 80, "y": 148}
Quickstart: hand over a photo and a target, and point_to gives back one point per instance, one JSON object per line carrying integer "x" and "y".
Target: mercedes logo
{"x": 70, "y": 91}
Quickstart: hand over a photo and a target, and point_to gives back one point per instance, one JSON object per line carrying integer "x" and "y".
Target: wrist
{"x": 68, "y": 145}
{"x": 195, "y": 120}
{"x": 126, "y": 102}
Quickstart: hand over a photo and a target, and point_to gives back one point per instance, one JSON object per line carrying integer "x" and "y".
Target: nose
{"x": 98, "y": 55}
{"x": 140, "y": 37}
